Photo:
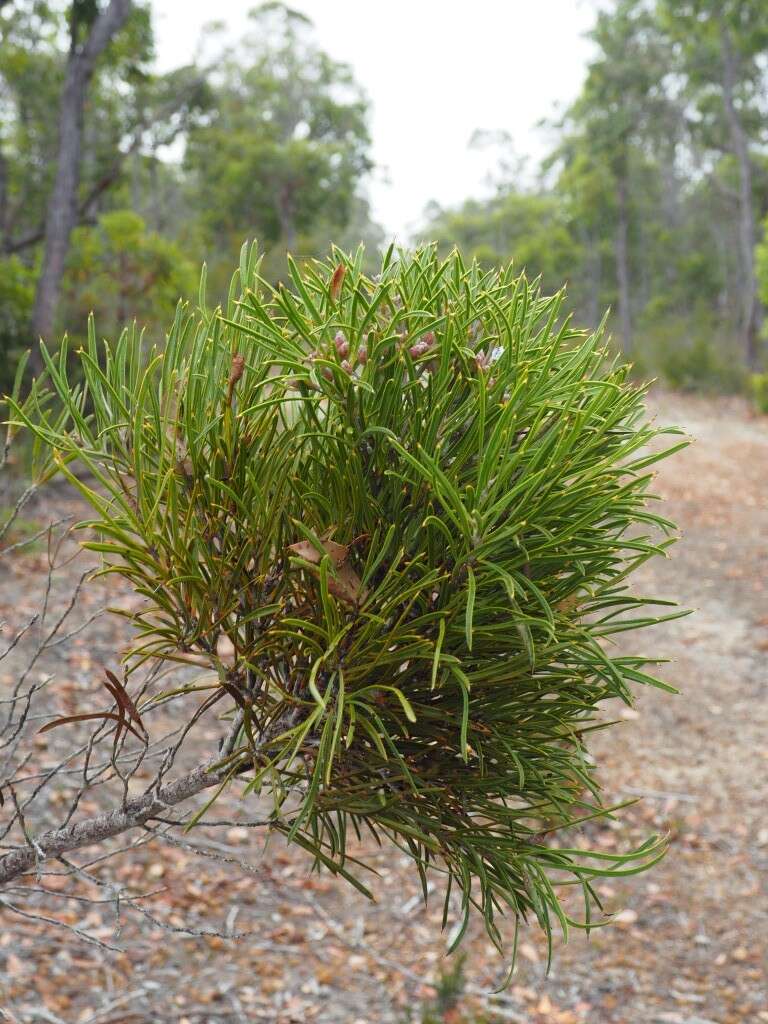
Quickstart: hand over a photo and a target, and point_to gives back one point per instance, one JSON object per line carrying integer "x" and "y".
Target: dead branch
{"x": 112, "y": 823}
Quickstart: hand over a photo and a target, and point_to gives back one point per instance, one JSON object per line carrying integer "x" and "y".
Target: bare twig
{"x": 112, "y": 823}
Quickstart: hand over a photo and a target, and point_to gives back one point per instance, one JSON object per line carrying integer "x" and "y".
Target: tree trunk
{"x": 62, "y": 212}
{"x": 3, "y": 198}
{"x": 751, "y": 314}
{"x": 622, "y": 262}
{"x": 593, "y": 275}
{"x": 285, "y": 215}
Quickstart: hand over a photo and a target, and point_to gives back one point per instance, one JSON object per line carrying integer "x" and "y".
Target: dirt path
{"x": 691, "y": 943}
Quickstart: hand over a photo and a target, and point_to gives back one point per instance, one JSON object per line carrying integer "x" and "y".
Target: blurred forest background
{"x": 117, "y": 181}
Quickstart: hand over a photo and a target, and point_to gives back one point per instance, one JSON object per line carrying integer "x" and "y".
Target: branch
{"x": 112, "y": 823}
{"x": 104, "y": 183}
{"x": 113, "y": 174}
{"x": 107, "y": 24}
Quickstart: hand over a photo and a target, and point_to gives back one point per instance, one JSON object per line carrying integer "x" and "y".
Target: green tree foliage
{"x": 659, "y": 182}
{"x": 623, "y": 104}
{"x": 535, "y": 227}
{"x": 120, "y": 270}
{"x": 276, "y": 141}
{"x": 761, "y": 262}
{"x": 287, "y": 144}
{"x": 721, "y": 47}
{"x": 410, "y": 504}
{"x": 17, "y": 294}
{"x": 34, "y": 38}
{"x": 30, "y": 76}
{"x": 129, "y": 114}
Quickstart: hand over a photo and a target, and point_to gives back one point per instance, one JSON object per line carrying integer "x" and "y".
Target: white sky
{"x": 434, "y": 71}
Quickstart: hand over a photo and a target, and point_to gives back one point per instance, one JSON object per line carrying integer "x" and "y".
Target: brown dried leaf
{"x": 235, "y": 373}
{"x": 346, "y": 584}
{"x": 121, "y": 695}
{"x": 306, "y": 550}
{"x": 337, "y": 280}
{"x": 84, "y": 718}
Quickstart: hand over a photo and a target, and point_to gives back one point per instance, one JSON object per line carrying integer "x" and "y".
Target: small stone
{"x": 626, "y": 917}
{"x": 238, "y": 834}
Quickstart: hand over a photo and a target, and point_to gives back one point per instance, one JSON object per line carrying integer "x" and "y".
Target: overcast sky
{"x": 434, "y": 71}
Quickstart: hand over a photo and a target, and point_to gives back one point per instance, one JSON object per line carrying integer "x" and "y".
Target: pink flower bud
{"x": 327, "y": 372}
{"x": 346, "y": 366}
{"x": 342, "y": 345}
{"x": 418, "y": 349}
{"x": 362, "y": 355}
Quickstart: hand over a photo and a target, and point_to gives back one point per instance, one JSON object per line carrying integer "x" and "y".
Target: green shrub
{"x": 17, "y": 295}
{"x": 758, "y": 387}
{"x": 688, "y": 354}
{"x": 119, "y": 269}
{"x": 701, "y": 366}
{"x": 761, "y": 263}
{"x": 411, "y": 505}
{"x": 449, "y": 989}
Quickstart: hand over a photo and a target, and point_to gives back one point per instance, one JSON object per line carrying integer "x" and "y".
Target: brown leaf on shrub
{"x": 90, "y": 717}
{"x": 345, "y": 584}
{"x": 123, "y": 700}
{"x": 235, "y": 373}
{"x": 337, "y": 280}
{"x": 568, "y": 604}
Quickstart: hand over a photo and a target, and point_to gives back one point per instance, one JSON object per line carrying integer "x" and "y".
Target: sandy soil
{"x": 690, "y": 941}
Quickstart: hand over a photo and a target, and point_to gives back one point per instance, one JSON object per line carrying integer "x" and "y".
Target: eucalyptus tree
{"x": 286, "y": 148}
{"x": 79, "y": 104}
{"x": 721, "y": 48}
{"x": 90, "y": 32}
{"x": 623, "y": 104}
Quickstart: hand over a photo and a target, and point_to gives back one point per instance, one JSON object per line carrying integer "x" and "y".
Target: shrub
{"x": 444, "y": 1006}
{"x": 758, "y": 387}
{"x": 118, "y": 268}
{"x": 690, "y": 354}
{"x": 17, "y": 295}
{"x": 408, "y": 507}
{"x": 701, "y": 366}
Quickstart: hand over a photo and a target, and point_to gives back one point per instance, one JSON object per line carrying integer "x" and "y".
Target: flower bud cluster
{"x": 342, "y": 352}
{"x": 422, "y": 346}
